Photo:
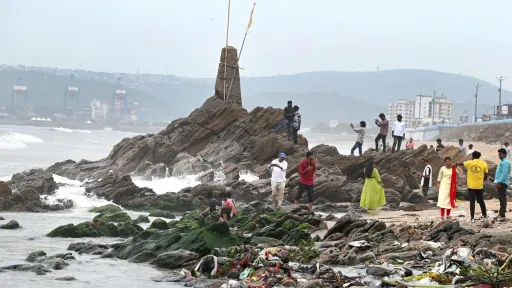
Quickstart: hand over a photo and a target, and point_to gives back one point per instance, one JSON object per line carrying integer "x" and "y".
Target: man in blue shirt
{"x": 502, "y": 180}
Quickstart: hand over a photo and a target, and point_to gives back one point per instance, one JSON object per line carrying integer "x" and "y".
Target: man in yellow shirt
{"x": 477, "y": 171}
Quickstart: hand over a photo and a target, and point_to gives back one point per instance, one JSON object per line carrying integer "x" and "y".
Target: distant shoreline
{"x": 82, "y": 126}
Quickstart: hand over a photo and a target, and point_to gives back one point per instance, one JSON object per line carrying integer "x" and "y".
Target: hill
{"x": 345, "y": 96}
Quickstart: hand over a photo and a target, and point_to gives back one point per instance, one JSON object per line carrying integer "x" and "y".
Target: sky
{"x": 184, "y": 37}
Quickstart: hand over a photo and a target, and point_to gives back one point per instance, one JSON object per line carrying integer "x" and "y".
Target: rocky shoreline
{"x": 260, "y": 247}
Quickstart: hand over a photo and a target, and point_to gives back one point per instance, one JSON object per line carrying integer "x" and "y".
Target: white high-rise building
{"x": 443, "y": 109}
{"x": 402, "y": 107}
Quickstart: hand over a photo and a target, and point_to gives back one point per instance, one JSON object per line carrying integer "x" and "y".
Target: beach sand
{"x": 489, "y": 151}
{"x": 433, "y": 214}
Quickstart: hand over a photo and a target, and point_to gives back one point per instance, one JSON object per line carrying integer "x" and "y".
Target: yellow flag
{"x": 250, "y": 19}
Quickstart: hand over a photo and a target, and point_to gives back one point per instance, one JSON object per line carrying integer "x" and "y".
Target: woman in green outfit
{"x": 373, "y": 191}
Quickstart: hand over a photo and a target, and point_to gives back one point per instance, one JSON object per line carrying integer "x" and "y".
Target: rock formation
{"x": 26, "y": 191}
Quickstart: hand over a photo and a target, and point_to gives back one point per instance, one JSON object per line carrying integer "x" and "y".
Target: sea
{"x": 25, "y": 147}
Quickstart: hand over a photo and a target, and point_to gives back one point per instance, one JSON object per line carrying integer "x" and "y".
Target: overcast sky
{"x": 184, "y": 37}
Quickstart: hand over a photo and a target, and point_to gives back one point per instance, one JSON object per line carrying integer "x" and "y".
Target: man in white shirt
{"x": 471, "y": 150}
{"x": 398, "y": 132}
{"x": 278, "y": 180}
{"x": 507, "y": 147}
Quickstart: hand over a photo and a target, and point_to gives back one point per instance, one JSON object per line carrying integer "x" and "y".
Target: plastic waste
{"x": 360, "y": 243}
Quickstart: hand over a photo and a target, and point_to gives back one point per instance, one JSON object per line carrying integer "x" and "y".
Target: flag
{"x": 250, "y": 19}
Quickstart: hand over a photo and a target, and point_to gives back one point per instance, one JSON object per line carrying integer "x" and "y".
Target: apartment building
{"x": 443, "y": 109}
{"x": 402, "y": 107}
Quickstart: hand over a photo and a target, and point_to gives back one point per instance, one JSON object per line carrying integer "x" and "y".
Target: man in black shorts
{"x": 307, "y": 170}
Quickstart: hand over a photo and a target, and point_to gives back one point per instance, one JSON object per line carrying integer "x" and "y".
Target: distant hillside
{"x": 322, "y": 96}
{"x": 320, "y": 107}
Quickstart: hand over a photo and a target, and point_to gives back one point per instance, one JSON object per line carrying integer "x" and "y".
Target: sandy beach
{"x": 489, "y": 151}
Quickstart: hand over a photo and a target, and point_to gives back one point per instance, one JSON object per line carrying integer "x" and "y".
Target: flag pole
{"x": 241, "y": 49}
{"x": 226, "y": 50}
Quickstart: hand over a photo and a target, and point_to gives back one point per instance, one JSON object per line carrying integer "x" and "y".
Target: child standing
{"x": 360, "y": 137}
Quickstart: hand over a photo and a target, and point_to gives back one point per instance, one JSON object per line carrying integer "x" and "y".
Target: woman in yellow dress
{"x": 373, "y": 191}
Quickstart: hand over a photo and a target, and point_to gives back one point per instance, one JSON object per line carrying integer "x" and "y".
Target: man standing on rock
{"x": 426, "y": 180}
{"x": 507, "y": 147}
{"x": 307, "y": 169}
{"x": 502, "y": 181}
{"x": 470, "y": 152}
{"x": 439, "y": 146}
{"x": 278, "y": 180}
{"x": 462, "y": 147}
{"x": 383, "y": 132}
{"x": 297, "y": 119}
{"x": 398, "y": 133}
{"x": 477, "y": 171}
{"x": 288, "y": 115}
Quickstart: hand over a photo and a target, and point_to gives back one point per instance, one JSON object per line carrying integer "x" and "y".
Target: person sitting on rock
{"x": 297, "y": 119}
{"x": 360, "y": 137}
{"x": 212, "y": 204}
{"x": 410, "y": 144}
{"x": 440, "y": 145}
{"x": 228, "y": 210}
{"x": 228, "y": 194}
{"x": 288, "y": 115}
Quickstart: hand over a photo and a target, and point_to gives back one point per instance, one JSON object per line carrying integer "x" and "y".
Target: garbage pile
{"x": 268, "y": 267}
{"x": 461, "y": 266}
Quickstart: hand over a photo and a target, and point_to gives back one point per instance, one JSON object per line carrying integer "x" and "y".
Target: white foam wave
{"x": 74, "y": 191}
{"x": 92, "y": 141}
{"x": 14, "y": 140}
{"x": 170, "y": 184}
{"x": 248, "y": 176}
{"x": 67, "y": 130}
{"x": 61, "y": 129}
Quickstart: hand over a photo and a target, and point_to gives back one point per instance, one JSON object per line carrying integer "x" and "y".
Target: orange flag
{"x": 250, "y": 19}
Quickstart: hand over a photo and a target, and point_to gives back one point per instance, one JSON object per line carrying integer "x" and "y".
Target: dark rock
{"x": 159, "y": 224}
{"x": 2, "y": 218}
{"x": 67, "y": 278}
{"x": 32, "y": 257}
{"x": 40, "y": 181}
{"x": 116, "y": 217}
{"x": 175, "y": 259}
{"x": 142, "y": 257}
{"x": 13, "y": 224}
{"x": 108, "y": 255}
{"x": 141, "y": 219}
{"x": 233, "y": 274}
{"x": 163, "y": 214}
{"x": 377, "y": 271}
{"x": 96, "y": 229}
{"x": 109, "y": 208}
{"x": 29, "y": 190}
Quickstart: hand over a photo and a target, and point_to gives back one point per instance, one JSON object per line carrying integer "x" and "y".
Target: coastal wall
{"x": 489, "y": 131}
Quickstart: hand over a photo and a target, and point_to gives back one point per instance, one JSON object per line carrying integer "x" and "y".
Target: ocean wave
{"x": 170, "y": 184}
{"x": 14, "y": 140}
{"x": 248, "y": 176}
{"x": 67, "y": 130}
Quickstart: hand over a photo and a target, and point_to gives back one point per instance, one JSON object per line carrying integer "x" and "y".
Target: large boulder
{"x": 96, "y": 229}
{"x": 29, "y": 191}
{"x": 40, "y": 181}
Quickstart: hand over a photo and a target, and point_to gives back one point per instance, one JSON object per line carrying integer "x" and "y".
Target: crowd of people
{"x": 373, "y": 195}
{"x": 397, "y": 132}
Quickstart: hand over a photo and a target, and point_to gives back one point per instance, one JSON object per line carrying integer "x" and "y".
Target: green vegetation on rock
{"x": 116, "y": 217}
{"x": 109, "y": 208}
{"x": 96, "y": 229}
